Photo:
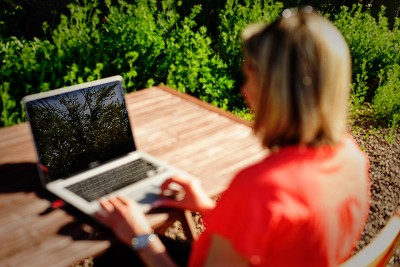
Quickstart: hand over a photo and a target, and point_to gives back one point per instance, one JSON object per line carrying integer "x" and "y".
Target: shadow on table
{"x": 19, "y": 177}
{"x": 24, "y": 178}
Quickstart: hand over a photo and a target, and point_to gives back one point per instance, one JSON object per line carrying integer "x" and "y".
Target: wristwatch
{"x": 142, "y": 241}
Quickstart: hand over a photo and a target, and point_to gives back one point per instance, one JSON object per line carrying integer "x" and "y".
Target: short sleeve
{"x": 241, "y": 216}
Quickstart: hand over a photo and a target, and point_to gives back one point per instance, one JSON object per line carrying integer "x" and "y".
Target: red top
{"x": 298, "y": 207}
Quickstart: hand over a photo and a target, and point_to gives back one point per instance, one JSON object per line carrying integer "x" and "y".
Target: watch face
{"x": 142, "y": 241}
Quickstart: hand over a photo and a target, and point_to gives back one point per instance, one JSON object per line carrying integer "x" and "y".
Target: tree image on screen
{"x": 80, "y": 128}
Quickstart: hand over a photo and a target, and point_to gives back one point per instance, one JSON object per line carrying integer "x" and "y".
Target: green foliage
{"x": 132, "y": 40}
{"x": 146, "y": 42}
{"x": 193, "y": 48}
{"x": 193, "y": 65}
{"x": 386, "y": 102}
{"x": 373, "y": 45}
{"x": 9, "y": 116}
{"x": 84, "y": 46}
{"x": 75, "y": 40}
{"x": 234, "y": 18}
{"x": 375, "y": 51}
{"x": 21, "y": 74}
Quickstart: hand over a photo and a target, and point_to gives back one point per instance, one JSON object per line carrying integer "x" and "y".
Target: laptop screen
{"x": 80, "y": 129}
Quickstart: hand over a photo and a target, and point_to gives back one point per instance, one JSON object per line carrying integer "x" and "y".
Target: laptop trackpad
{"x": 145, "y": 199}
{"x": 148, "y": 198}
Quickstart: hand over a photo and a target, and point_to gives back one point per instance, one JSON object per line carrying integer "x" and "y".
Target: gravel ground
{"x": 383, "y": 149}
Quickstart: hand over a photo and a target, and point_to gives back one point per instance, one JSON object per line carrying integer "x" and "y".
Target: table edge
{"x": 204, "y": 104}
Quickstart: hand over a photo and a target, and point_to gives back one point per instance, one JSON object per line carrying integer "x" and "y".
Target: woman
{"x": 307, "y": 202}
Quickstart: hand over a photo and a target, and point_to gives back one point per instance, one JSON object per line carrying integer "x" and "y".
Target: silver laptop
{"x": 86, "y": 148}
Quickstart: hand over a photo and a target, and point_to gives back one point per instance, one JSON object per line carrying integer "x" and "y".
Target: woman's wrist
{"x": 155, "y": 254}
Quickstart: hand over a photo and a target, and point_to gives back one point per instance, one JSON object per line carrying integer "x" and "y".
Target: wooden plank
{"x": 205, "y": 105}
{"x": 16, "y": 144}
{"x": 196, "y": 137}
{"x": 12, "y": 132}
{"x": 50, "y": 252}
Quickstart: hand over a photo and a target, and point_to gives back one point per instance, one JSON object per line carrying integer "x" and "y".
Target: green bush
{"x": 232, "y": 19}
{"x": 177, "y": 43}
{"x": 193, "y": 67}
{"x": 235, "y": 16}
{"x": 386, "y": 102}
{"x": 23, "y": 71}
{"x": 146, "y": 42}
{"x": 374, "y": 47}
{"x": 375, "y": 51}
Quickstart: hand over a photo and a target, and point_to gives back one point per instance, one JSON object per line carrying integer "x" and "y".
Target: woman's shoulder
{"x": 261, "y": 175}
{"x": 298, "y": 161}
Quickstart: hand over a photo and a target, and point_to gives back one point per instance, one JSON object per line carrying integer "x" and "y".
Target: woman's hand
{"x": 127, "y": 220}
{"x": 184, "y": 193}
{"x": 124, "y": 217}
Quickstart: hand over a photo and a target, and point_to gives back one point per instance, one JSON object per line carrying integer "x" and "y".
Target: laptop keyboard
{"x": 110, "y": 181}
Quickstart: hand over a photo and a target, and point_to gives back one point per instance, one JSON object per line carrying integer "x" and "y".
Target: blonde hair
{"x": 303, "y": 67}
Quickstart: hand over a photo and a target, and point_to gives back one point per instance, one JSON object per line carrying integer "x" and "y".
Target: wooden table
{"x": 190, "y": 134}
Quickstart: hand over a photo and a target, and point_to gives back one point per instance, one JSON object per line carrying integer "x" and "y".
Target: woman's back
{"x": 298, "y": 207}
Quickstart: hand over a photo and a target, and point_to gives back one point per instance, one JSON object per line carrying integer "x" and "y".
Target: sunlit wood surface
{"x": 190, "y": 134}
